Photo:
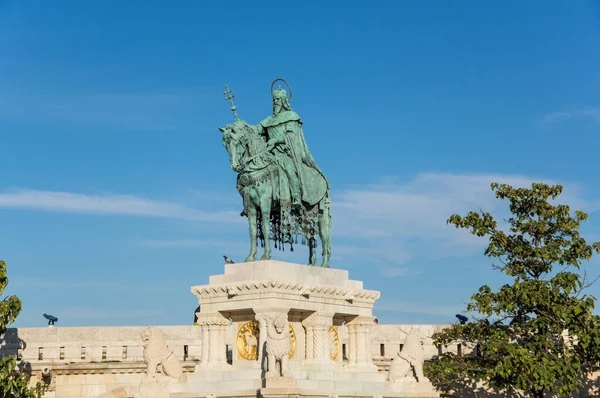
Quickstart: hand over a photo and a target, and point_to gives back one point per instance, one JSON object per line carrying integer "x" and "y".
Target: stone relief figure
{"x": 156, "y": 352}
{"x": 278, "y": 346}
{"x": 251, "y": 342}
{"x": 410, "y": 358}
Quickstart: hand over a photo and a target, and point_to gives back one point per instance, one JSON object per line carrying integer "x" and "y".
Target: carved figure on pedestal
{"x": 156, "y": 352}
{"x": 278, "y": 346}
{"x": 411, "y": 358}
{"x": 251, "y": 343}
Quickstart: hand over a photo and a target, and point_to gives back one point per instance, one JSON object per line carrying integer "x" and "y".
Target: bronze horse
{"x": 269, "y": 212}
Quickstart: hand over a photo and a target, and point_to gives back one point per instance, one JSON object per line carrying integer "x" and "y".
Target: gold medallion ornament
{"x": 292, "y": 341}
{"x": 247, "y": 341}
{"x": 248, "y": 337}
{"x": 334, "y": 347}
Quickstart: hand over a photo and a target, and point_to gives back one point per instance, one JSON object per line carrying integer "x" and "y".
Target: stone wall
{"x": 386, "y": 340}
{"x": 88, "y": 361}
{"x": 64, "y": 345}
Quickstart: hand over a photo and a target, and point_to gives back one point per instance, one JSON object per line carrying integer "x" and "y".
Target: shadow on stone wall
{"x": 12, "y": 344}
{"x": 591, "y": 387}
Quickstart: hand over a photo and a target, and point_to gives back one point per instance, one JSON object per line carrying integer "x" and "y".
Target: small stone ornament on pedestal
{"x": 278, "y": 344}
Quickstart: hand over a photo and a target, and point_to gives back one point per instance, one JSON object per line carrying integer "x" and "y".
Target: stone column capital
{"x": 359, "y": 335}
{"x": 212, "y": 320}
{"x": 318, "y": 320}
{"x": 265, "y": 315}
{"x": 361, "y": 321}
{"x": 317, "y": 327}
{"x": 213, "y": 342}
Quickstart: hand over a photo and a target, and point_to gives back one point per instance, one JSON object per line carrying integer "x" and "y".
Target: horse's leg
{"x": 312, "y": 254}
{"x": 325, "y": 229}
{"x": 265, "y": 192}
{"x": 253, "y": 239}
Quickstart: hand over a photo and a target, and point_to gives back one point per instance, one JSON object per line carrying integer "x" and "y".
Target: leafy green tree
{"x": 538, "y": 335}
{"x": 13, "y": 383}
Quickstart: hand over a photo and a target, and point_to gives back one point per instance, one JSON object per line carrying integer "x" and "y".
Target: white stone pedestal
{"x": 314, "y": 299}
{"x": 279, "y": 387}
{"x": 279, "y": 383}
{"x": 316, "y": 302}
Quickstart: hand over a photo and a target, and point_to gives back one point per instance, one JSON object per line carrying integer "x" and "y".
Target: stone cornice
{"x": 230, "y": 290}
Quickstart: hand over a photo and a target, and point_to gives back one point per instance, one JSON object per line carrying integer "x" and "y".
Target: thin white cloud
{"x": 109, "y": 204}
{"x": 389, "y": 224}
{"x": 415, "y": 307}
{"x": 557, "y": 117}
{"x": 401, "y": 221}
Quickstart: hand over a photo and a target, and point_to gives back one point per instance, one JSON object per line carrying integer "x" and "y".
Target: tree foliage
{"x": 537, "y": 335}
{"x": 14, "y": 383}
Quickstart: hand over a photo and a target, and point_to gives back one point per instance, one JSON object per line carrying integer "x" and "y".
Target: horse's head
{"x": 235, "y": 141}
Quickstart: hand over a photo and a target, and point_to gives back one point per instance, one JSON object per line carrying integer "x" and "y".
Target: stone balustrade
{"x": 63, "y": 345}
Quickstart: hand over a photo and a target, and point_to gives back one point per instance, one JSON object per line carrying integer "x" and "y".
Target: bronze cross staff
{"x": 229, "y": 97}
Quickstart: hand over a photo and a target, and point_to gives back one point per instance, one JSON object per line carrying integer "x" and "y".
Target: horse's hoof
{"x": 265, "y": 257}
{"x": 249, "y": 259}
{"x": 325, "y": 265}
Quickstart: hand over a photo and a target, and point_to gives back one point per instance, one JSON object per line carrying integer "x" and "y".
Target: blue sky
{"x": 116, "y": 194}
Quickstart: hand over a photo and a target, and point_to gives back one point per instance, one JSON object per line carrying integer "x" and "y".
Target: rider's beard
{"x": 276, "y": 109}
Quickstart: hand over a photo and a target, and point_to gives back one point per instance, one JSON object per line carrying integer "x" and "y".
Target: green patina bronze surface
{"x": 285, "y": 194}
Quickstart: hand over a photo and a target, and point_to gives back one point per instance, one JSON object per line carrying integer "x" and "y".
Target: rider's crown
{"x": 279, "y": 93}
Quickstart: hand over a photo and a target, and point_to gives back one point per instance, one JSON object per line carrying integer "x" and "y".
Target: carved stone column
{"x": 214, "y": 349}
{"x": 223, "y": 343}
{"x": 359, "y": 332}
{"x": 310, "y": 336}
{"x": 317, "y": 337}
{"x": 369, "y": 344}
{"x": 351, "y": 346}
{"x": 213, "y": 340}
{"x": 205, "y": 343}
{"x": 263, "y": 322}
